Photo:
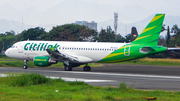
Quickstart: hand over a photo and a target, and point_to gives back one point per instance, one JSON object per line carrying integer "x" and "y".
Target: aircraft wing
{"x": 55, "y": 54}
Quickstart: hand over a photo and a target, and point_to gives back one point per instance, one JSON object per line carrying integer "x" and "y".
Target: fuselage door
{"x": 127, "y": 50}
{"x": 20, "y": 48}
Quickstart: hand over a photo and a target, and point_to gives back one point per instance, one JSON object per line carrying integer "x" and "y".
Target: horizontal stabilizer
{"x": 173, "y": 49}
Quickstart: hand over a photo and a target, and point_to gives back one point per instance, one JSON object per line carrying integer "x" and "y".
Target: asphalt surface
{"x": 136, "y": 76}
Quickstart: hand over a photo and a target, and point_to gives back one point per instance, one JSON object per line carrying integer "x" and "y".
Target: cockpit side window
{"x": 13, "y": 46}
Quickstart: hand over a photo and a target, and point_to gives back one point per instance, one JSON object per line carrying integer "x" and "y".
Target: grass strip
{"x": 153, "y": 61}
{"x": 8, "y": 62}
{"x": 37, "y": 87}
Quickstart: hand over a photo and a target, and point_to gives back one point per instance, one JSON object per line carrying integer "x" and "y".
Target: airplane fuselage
{"x": 27, "y": 50}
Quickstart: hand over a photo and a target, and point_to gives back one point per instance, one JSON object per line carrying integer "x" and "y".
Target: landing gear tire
{"x": 25, "y": 67}
{"x": 68, "y": 68}
{"x": 25, "y": 64}
{"x": 87, "y": 68}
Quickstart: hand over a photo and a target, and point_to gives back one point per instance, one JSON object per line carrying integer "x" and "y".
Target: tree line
{"x": 73, "y": 32}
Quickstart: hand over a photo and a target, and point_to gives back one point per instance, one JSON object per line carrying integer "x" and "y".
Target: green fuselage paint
{"x": 34, "y": 47}
{"x": 45, "y": 46}
{"x": 31, "y": 46}
{"x": 39, "y": 46}
{"x": 42, "y": 47}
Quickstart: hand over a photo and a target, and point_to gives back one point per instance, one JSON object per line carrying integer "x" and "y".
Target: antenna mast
{"x": 115, "y": 22}
{"x": 22, "y": 23}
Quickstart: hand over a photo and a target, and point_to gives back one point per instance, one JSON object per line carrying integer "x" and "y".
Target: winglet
{"x": 152, "y": 31}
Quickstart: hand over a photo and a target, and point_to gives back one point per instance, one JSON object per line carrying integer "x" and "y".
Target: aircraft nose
{"x": 7, "y": 53}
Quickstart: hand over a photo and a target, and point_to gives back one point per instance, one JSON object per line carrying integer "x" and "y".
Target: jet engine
{"x": 43, "y": 61}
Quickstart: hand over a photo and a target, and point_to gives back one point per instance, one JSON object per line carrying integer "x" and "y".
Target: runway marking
{"x": 71, "y": 79}
{"x": 80, "y": 79}
{"x": 115, "y": 74}
{"x": 3, "y": 75}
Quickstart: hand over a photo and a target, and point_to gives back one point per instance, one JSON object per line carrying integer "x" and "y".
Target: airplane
{"x": 74, "y": 54}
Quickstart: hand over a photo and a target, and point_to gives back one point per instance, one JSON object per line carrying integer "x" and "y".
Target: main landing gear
{"x": 68, "y": 68}
{"x": 87, "y": 68}
{"x": 25, "y": 64}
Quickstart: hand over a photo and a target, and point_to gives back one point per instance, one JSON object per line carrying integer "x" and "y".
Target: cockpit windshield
{"x": 13, "y": 46}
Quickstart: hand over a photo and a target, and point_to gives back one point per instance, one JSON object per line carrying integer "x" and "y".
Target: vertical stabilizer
{"x": 150, "y": 35}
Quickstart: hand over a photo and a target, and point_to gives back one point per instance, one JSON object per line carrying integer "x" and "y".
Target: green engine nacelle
{"x": 43, "y": 61}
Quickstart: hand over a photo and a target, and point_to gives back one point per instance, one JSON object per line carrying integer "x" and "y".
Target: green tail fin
{"x": 152, "y": 31}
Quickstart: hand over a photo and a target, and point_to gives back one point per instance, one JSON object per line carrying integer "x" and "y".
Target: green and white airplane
{"x": 73, "y": 54}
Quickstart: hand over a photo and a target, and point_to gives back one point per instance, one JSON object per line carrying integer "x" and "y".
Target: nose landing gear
{"x": 25, "y": 64}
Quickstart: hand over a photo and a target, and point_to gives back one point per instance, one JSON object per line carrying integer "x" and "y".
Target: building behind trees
{"x": 92, "y": 24}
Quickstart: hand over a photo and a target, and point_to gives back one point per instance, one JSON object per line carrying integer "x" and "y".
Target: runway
{"x": 136, "y": 76}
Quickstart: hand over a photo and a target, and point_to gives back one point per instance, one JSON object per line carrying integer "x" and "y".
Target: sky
{"x": 159, "y": 6}
{"x": 130, "y": 11}
{"x": 45, "y": 4}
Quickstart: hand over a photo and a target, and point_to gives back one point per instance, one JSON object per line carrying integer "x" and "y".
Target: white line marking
{"x": 85, "y": 80}
{"x": 71, "y": 79}
{"x": 130, "y": 75}
{"x": 3, "y": 75}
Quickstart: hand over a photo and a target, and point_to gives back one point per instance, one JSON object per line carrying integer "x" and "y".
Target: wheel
{"x": 87, "y": 68}
{"x": 68, "y": 68}
{"x": 25, "y": 67}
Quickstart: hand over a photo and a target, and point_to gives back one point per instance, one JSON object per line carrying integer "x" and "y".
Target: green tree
{"x": 168, "y": 36}
{"x": 162, "y": 41}
{"x": 106, "y": 35}
{"x": 120, "y": 38}
{"x": 11, "y": 32}
{"x": 6, "y": 40}
{"x": 70, "y": 32}
{"x": 87, "y": 33}
{"x": 19, "y": 37}
{"x": 33, "y": 33}
{"x": 128, "y": 38}
{"x": 175, "y": 29}
{"x": 175, "y": 40}
{"x": 171, "y": 42}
